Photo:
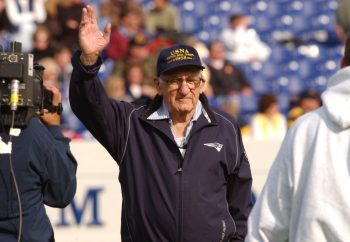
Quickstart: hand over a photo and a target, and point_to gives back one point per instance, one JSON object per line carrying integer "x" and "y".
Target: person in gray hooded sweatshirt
{"x": 306, "y": 196}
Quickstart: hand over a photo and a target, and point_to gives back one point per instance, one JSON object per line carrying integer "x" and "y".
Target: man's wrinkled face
{"x": 181, "y": 89}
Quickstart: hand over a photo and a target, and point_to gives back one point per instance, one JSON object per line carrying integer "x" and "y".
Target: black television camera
{"x": 21, "y": 87}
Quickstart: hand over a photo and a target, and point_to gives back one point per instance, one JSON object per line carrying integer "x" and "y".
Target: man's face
{"x": 217, "y": 51}
{"x": 180, "y": 90}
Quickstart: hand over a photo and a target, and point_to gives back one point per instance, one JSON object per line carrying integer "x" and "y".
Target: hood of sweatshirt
{"x": 336, "y": 98}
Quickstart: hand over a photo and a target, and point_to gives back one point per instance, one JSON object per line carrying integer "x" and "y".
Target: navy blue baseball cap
{"x": 177, "y": 56}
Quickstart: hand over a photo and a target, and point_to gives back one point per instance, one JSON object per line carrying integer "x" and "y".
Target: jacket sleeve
{"x": 105, "y": 118}
{"x": 239, "y": 192}
{"x": 269, "y": 219}
{"x": 59, "y": 179}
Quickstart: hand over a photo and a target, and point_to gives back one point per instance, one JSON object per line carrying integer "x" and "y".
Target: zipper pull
{"x": 179, "y": 170}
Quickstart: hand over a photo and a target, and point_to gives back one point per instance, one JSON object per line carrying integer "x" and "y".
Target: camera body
{"x": 21, "y": 87}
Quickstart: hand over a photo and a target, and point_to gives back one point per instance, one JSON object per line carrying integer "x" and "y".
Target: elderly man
{"x": 183, "y": 170}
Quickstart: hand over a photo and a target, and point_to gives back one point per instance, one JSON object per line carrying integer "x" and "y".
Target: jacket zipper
{"x": 179, "y": 173}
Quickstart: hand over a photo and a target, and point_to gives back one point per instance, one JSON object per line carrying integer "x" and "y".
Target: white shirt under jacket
{"x": 306, "y": 197}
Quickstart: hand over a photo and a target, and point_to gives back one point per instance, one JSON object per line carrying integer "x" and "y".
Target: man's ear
{"x": 203, "y": 85}
{"x": 157, "y": 84}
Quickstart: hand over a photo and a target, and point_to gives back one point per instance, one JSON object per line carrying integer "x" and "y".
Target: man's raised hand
{"x": 91, "y": 40}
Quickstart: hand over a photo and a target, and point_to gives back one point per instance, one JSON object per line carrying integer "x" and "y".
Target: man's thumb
{"x": 107, "y": 32}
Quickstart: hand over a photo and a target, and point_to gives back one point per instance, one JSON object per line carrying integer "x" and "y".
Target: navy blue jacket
{"x": 203, "y": 196}
{"x": 45, "y": 171}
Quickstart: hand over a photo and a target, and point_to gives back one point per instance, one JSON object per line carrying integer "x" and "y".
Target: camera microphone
{"x": 14, "y": 94}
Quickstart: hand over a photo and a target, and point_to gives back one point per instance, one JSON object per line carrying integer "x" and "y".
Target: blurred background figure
{"x": 69, "y": 15}
{"x": 107, "y": 12}
{"x": 129, "y": 25}
{"x": 5, "y": 26}
{"x": 225, "y": 78}
{"x": 242, "y": 43}
{"x": 135, "y": 83}
{"x": 4, "y": 21}
{"x": 163, "y": 17}
{"x": 52, "y": 72}
{"x": 24, "y": 15}
{"x": 62, "y": 55}
{"x": 308, "y": 100}
{"x": 269, "y": 123}
{"x": 42, "y": 43}
{"x": 138, "y": 53}
{"x": 343, "y": 20}
{"x": 200, "y": 46}
{"x": 231, "y": 105}
{"x": 115, "y": 88}
{"x": 51, "y": 22}
{"x": 71, "y": 125}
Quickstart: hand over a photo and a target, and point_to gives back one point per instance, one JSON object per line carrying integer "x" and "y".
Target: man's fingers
{"x": 83, "y": 17}
{"x": 88, "y": 17}
{"x": 92, "y": 15}
{"x": 56, "y": 94}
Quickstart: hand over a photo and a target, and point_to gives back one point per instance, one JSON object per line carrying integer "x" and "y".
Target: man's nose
{"x": 184, "y": 88}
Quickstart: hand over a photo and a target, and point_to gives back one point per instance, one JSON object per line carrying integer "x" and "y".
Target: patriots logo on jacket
{"x": 217, "y": 146}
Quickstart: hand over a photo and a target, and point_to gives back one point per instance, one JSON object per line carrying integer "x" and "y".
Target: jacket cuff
{"x": 90, "y": 70}
{"x": 55, "y": 130}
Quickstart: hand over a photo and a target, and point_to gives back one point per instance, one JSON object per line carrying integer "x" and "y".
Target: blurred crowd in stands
{"x": 241, "y": 67}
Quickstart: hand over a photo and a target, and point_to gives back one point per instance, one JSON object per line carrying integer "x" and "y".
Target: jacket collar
{"x": 207, "y": 117}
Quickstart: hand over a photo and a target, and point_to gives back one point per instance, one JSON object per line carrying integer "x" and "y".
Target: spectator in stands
{"x": 52, "y": 72}
{"x": 71, "y": 126}
{"x": 164, "y": 17}
{"x": 42, "y": 43}
{"x": 183, "y": 168}
{"x": 116, "y": 89}
{"x": 139, "y": 54}
{"x": 269, "y": 123}
{"x": 69, "y": 15}
{"x": 128, "y": 28}
{"x": 51, "y": 22}
{"x": 242, "y": 43}
{"x": 232, "y": 106}
{"x": 304, "y": 197}
{"x": 225, "y": 78}
{"x": 108, "y": 12}
{"x": 5, "y": 27}
{"x": 62, "y": 55}
{"x": 343, "y": 20}
{"x": 4, "y": 21}
{"x": 135, "y": 83}
{"x": 308, "y": 100}
{"x": 24, "y": 15}
{"x": 134, "y": 80}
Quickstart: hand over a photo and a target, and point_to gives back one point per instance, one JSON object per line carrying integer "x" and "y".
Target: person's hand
{"x": 52, "y": 118}
{"x": 91, "y": 40}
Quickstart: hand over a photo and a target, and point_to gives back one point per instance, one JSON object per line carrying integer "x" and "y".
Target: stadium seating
{"x": 301, "y": 34}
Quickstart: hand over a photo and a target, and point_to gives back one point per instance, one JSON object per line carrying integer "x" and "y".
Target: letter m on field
{"x": 89, "y": 206}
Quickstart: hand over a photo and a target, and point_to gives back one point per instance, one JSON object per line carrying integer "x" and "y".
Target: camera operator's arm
{"x": 91, "y": 40}
{"x": 60, "y": 179}
{"x": 49, "y": 118}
